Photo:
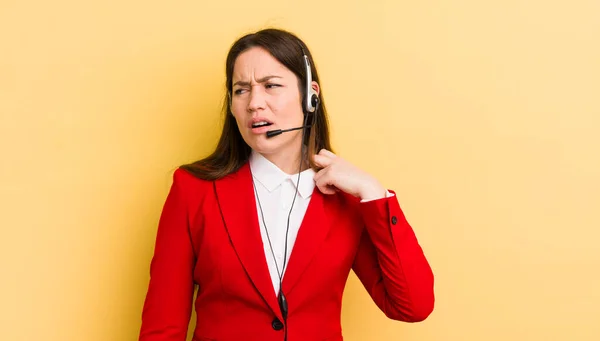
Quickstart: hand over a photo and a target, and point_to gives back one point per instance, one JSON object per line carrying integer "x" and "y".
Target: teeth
{"x": 260, "y": 124}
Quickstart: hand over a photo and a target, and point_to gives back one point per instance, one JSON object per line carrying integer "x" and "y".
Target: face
{"x": 266, "y": 96}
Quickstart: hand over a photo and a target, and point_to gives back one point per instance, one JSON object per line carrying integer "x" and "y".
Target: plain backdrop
{"x": 482, "y": 115}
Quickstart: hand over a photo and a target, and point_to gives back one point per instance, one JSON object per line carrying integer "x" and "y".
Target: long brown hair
{"x": 232, "y": 151}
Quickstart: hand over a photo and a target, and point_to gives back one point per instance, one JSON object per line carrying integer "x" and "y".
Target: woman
{"x": 271, "y": 223}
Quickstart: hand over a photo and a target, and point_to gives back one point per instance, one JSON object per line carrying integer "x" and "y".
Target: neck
{"x": 288, "y": 162}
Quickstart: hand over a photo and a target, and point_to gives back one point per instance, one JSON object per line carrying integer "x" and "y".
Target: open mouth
{"x": 261, "y": 124}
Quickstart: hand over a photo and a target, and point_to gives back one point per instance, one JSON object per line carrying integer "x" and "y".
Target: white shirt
{"x": 274, "y": 195}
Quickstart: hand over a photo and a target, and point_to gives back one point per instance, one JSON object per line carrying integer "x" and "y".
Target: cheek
{"x": 238, "y": 111}
{"x": 236, "y": 108}
{"x": 287, "y": 108}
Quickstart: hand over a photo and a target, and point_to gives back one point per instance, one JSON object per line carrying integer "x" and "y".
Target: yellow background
{"x": 482, "y": 115}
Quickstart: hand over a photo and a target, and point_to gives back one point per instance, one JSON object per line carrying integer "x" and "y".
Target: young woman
{"x": 270, "y": 224}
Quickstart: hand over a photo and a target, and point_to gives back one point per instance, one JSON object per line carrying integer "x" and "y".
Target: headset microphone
{"x": 276, "y": 132}
{"x": 315, "y": 103}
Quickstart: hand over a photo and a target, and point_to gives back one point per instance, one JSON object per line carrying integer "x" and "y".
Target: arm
{"x": 168, "y": 303}
{"x": 390, "y": 263}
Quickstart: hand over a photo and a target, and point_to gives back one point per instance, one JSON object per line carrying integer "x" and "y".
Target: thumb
{"x": 321, "y": 161}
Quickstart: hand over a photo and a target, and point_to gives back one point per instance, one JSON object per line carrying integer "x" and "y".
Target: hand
{"x": 338, "y": 174}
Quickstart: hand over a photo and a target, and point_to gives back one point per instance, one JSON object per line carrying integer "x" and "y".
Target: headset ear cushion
{"x": 314, "y": 101}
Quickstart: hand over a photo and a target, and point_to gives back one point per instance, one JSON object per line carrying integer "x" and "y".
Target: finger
{"x": 322, "y": 161}
{"x": 327, "y": 189}
{"x": 327, "y": 153}
{"x": 323, "y": 175}
{"x": 318, "y": 175}
{"x": 324, "y": 182}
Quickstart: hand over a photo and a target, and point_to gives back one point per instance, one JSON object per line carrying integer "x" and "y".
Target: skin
{"x": 264, "y": 89}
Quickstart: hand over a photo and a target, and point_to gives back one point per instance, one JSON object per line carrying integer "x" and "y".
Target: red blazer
{"x": 224, "y": 256}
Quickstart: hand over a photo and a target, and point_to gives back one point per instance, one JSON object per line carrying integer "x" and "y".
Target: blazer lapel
{"x": 313, "y": 232}
{"x": 237, "y": 201}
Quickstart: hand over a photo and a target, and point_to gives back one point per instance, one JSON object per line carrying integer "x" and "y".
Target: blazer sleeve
{"x": 167, "y": 307}
{"x": 391, "y": 264}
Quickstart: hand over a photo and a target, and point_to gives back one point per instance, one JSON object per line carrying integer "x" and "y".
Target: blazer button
{"x": 394, "y": 220}
{"x": 276, "y": 324}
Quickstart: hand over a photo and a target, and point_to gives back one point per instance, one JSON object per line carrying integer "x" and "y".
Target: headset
{"x": 311, "y": 96}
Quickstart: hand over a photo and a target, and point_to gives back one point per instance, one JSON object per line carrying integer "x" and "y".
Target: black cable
{"x": 281, "y": 299}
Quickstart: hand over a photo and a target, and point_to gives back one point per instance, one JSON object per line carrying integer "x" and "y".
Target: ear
{"x": 316, "y": 87}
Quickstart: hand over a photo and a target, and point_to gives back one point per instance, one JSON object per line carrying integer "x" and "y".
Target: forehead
{"x": 257, "y": 62}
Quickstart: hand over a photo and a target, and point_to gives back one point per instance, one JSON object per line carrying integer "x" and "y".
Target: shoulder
{"x": 183, "y": 177}
{"x": 189, "y": 187}
{"x": 187, "y": 181}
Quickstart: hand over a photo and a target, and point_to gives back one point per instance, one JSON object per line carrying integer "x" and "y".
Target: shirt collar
{"x": 270, "y": 176}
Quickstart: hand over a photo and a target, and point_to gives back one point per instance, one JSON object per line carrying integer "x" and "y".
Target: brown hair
{"x": 232, "y": 151}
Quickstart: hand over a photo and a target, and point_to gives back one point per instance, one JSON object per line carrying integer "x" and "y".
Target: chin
{"x": 264, "y": 145}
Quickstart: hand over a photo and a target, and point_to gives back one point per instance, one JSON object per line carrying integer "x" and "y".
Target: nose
{"x": 257, "y": 99}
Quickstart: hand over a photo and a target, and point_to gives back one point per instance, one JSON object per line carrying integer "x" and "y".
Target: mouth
{"x": 260, "y": 127}
{"x": 261, "y": 124}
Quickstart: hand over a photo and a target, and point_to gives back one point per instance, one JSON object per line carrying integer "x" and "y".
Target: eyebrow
{"x": 262, "y": 80}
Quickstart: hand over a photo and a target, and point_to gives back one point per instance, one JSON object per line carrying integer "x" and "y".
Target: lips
{"x": 261, "y": 124}
{"x": 261, "y": 130}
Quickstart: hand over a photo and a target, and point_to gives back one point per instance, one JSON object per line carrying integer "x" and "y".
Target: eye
{"x": 239, "y": 91}
{"x": 272, "y": 85}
